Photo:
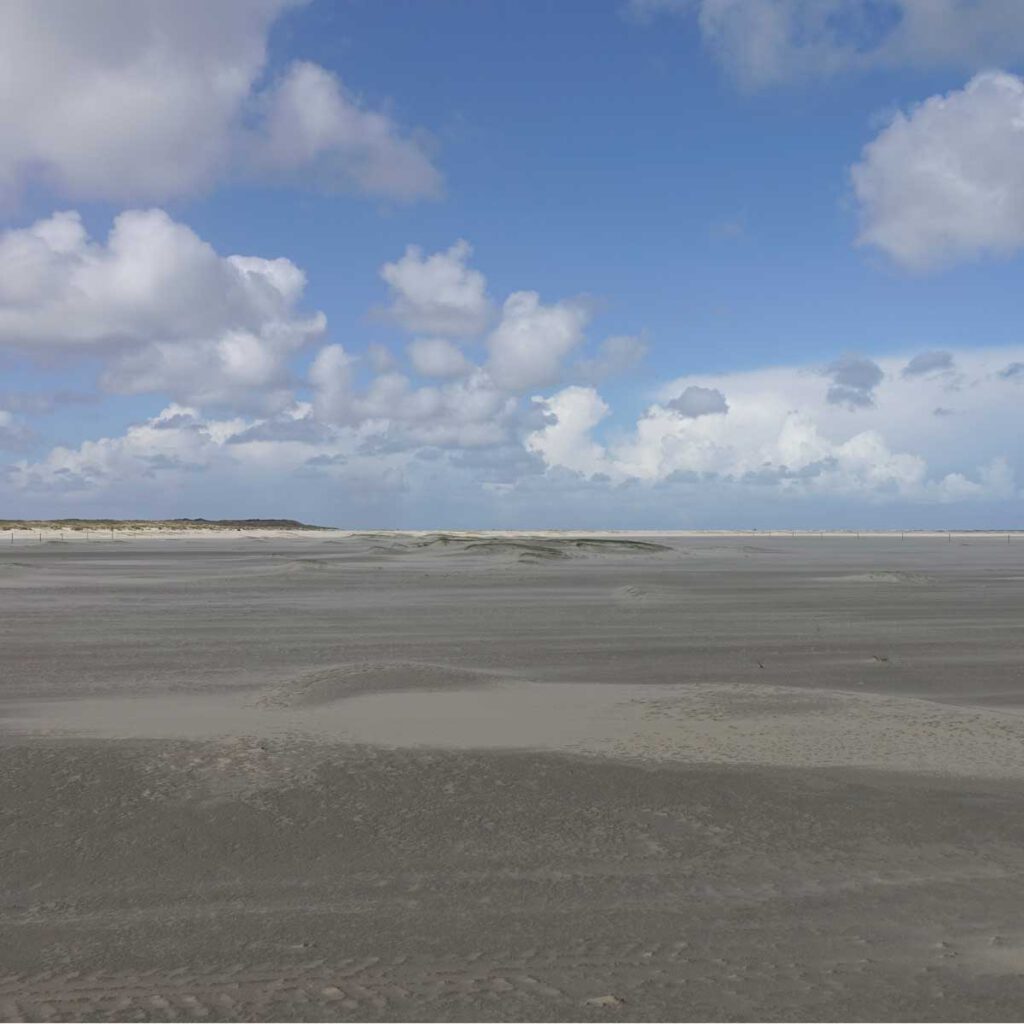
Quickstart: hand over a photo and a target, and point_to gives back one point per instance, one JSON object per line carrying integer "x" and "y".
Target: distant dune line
{"x": 283, "y": 527}
{"x": 159, "y": 524}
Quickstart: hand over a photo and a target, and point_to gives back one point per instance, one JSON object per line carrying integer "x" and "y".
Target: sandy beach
{"x": 328, "y": 775}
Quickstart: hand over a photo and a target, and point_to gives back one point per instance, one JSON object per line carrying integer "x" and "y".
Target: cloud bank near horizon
{"x": 506, "y": 414}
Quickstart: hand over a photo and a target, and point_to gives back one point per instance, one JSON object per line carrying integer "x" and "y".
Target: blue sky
{"x": 770, "y": 206}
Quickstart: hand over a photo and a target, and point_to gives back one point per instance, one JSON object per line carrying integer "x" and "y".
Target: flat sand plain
{"x": 331, "y": 776}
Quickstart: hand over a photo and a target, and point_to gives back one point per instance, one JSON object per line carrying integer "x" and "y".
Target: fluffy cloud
{"x": 150, "y": 100}
{"x": 782, "y": 452}
{"x": 528, "y": 346}
{"x": 437, "y": 357}
{"x": 928, "y": 362}
{"x": 165, "y": 311}
{"x": 697, "y": 401}
{"x": 313, "y": 128}
{"x": 438, "y": 294}
{"x": 180, "y": 459}
{"x": 531, "y": 341}
{"x": 944, "y": 182}
{"x": 781, "y": 434}
{"x": 391, "y": 410}
{"x": 14, "y": 434}
{"x": 174, "y": 443}
{"x": 567, "y": 441}
{"x": 765, "y": 42}
{"x": 854, "y": 380}
{"x": 331, "y": 379}
{"x": 180, "y": 449}
{"x": 615, "y": 356}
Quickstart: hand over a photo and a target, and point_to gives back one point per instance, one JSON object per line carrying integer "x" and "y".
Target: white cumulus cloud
{"x": 439, "y": 293}
{"x": 615, "y": 356}
{"x": 315, "y": 130}
{"x": 768, "y": 42}
{"x": 532, "y": 339}
{"x": 944, "y": 182}
{"x": 149, "y": 100}
{"x": 331, "y": 378}
{"x": 161, "y": 306}
{"x": 567, "y": 441}
{"x": 391, "y": 411}
{"x": 437, "y": 357}
{"x": 783, "y": 433}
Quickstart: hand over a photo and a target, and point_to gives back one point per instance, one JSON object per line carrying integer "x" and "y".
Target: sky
{"x": 650, "y": 264}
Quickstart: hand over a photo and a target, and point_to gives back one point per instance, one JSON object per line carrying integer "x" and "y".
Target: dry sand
{"x": 523, "y": 776}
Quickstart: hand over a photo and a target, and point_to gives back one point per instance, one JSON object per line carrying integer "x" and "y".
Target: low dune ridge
{"x": 521, "y": 547}
{"x": 323, "y": 686}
